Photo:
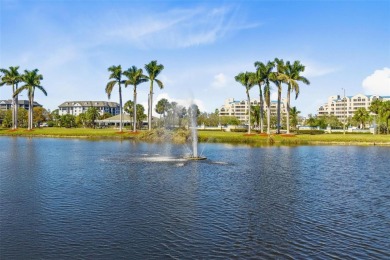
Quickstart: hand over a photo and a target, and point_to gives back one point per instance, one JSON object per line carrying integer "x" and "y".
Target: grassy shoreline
{"x": 204, "y": 136}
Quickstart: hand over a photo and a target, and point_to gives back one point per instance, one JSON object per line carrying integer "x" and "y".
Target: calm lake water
{"x": 66, "y": 198}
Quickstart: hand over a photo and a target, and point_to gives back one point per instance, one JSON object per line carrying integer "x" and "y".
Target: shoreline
{"x": 180, "y": 136}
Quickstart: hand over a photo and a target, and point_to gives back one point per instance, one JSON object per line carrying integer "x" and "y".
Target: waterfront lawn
{"x": 213, "y": 136}
{"x": 204, "y": 136}
{"x": 66, "y": 132}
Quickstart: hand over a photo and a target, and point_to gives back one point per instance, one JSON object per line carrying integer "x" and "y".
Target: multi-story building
{"x": 345, "y": 107}
{"x": 7, "y": 104}
{"x": 77, "y": 107}
{"x": 239, "y": 109}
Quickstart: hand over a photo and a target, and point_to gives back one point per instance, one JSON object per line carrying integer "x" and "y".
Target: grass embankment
{"x": 160, "y": 135}
{"x": 66, "y": 132}
{"x": 347, "y": 139}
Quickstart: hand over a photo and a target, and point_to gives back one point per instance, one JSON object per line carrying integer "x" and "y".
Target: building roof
{"x": 89, "y": 104}
{"x": 20, "y": 102}
{"x": 126, "y": 119}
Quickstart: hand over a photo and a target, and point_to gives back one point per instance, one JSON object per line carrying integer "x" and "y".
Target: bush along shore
{"x": 181, "y": 136}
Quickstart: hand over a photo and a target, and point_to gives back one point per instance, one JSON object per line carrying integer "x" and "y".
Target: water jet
{"x": 194, "y": 135}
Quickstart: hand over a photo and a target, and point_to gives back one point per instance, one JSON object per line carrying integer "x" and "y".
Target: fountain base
{"x": 195, "y": 158}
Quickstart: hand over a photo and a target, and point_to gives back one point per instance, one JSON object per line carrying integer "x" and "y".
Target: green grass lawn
{"x": 369, "y": 139}
{"x": 206, "y": 136}
{"x": 67, "y": 132}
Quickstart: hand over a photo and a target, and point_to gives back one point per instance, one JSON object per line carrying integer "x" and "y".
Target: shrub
{"x": 310, "y": 132}
{"x": 240, "y": 130}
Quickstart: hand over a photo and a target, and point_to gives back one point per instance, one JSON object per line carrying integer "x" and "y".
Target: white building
{"x": 345, "y": 107}
{"x": 239, "y": 109}
{"x": 77, "y": 107}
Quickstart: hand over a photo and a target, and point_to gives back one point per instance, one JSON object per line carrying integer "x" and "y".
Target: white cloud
{"x": 177, "y": 28}
{"x": 220, "y": 81}
{"x": 378, "y": 83}
{"x": 316, "y": 70}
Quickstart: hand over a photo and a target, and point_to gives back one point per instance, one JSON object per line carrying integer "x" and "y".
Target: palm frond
{"x": 42, "y": 89}
{"x": 109, "y": 87}
{"x": 17, "y": 92}
{"x": 159, "y": 83}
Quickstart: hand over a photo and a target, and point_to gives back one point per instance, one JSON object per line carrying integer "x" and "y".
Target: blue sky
{"x": 202, "y": 44}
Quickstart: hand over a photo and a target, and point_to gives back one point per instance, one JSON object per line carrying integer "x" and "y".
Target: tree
{"x": 140, "y": 115}
{"x": 32, "y": 81}
{"x": 247, "y": 79}
{"x": 255, "y": 115}
{"x": 153, "y": 69}
{"x": 162, "y": 106}
{"x": 116, "y": 75}
{"x": 278, "y": 78}
{"x": 134, "y": 77}
{"x": 91, "y": 115}
{"x": 67, "y": 121}
{"x": 361, "y": 115}
{"x": 264, "y": 75}
{"x": 81, "y": 119}
{"x": 292, "y": 72}
{"x": 40, "y": 115}
{"x": 13, "y": 78}
{"x": 128, "y": 107}
{"x": 382, "y": 110}
{"x": 293, "y": 112}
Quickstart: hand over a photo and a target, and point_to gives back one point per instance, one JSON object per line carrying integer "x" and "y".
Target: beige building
{"x": 345, "y": 107}
{"x": 77, "y": 107}
{"x": 239, "y": 109}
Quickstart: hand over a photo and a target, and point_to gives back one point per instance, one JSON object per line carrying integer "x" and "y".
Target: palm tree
{"x": 134, "y": 77}
{"x": 116, "y": 75}
{"x": 361, "y": 115}
{"x": 292, "y": 72}
{"x": 263, "y": 72}
{"x": 32, "y": 80}
{"x": 264, "y": 75}
{"x": 294, "y": 116}
{"x": 12, "y": 77}
{"x": 278, "y": 77}
{"x": 153, "y": 69}
{"x": 247, "y": 80}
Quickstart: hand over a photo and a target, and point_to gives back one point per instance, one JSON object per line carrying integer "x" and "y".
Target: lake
{"x": 70, "y": 198}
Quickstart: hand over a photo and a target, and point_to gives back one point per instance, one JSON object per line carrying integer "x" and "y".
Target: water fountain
{"x": 194, "y": 135}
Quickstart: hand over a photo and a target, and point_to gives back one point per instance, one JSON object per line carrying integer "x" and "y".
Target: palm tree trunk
{"x": 261, "y": 111}
{"x": 288, "y": 109}
{"x": 249, "y": 108}
{"x": 135, "y": 109}
{"x": 150, "y": 109}
{"x": 29, "y": 114}
{"x": 269, "y": 119}
{"x": 120, "y": 108}
{"x": 16, "y": 109}
{"x": 279, "y": 100}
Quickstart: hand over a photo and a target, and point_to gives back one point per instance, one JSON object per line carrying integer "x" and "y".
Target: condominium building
{"x": 344, "y": 107}
{"x": 77, "y": 107}
{"x": 7, "y": 104}
{"x": 239, "y": 109}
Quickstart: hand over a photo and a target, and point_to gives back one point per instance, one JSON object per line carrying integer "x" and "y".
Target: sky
{"x": 203, "y": 45}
